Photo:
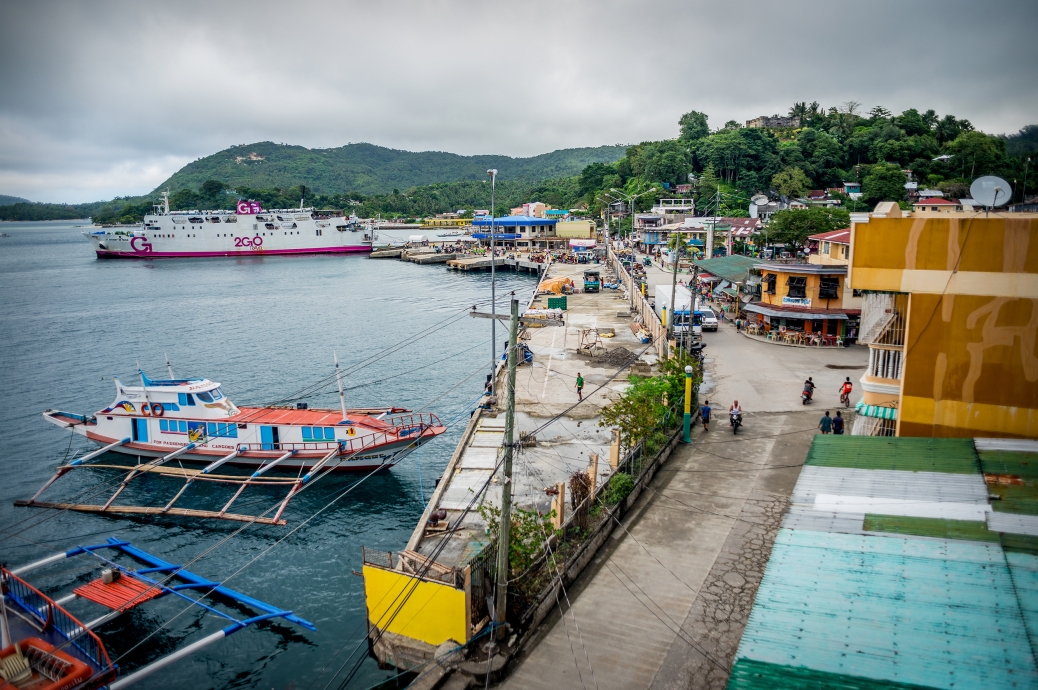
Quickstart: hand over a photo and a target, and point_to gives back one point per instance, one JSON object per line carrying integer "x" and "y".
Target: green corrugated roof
{"x": 751, "y": 674}
{"x": 734, "y": 269}
{"x": 930, "y": 527}
{"x": 1013, "y": 476}
{"x": 951, "y": 455}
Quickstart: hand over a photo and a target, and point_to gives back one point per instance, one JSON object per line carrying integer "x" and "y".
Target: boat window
{"x": 216, "y": 393}
{"x": 318, "y": 433}
{"x": 230, "y": 219}
{"x": 226, "y": 430}
{"x": 172, "y": 426}
{"x": 214, "y": 219}
{"x": 185, "y": 399}
{"x": 204, "y": 396}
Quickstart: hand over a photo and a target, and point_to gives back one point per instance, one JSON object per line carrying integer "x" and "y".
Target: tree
{"x": 693, "y": 126}
{"x": 791, "y": 183}
{"x": 592, "y": 177}
{"x": 732, "y": 124}
{"x": 884, "y": 182}
{"x": 912, "y": 122}
{"x": 211, "y": 188}
{"x": 975, "y": 153}
{"x": 706, "y": 190}
{"x": 792, "y": 227}
{"x": 879, "y": 113}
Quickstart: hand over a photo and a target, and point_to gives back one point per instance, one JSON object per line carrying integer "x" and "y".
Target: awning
{"x": 778, "y": 312}
{"x": 731, "y": 292}
{"x": 875, "y": 411}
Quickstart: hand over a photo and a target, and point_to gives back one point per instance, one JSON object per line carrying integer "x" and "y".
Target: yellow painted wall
{"x": 433, "y": 613}
{"x": 971, "y": 351}
{"x": 971, "y": 367}
{"x": 576, "y": 229}
{"x": 813, "y": 283}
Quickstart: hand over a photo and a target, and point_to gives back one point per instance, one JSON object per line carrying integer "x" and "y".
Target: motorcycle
{"x": 736, "y": 422}
{"x": 806, "y": 395}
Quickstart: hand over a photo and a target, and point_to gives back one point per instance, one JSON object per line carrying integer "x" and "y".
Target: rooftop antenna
{"x": 338, "y": 377}
{"x": 169, "y": 368}
{"x": 991, "y": 191}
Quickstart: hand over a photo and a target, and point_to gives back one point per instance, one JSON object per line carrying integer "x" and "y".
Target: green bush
{"x": 620, "y": 487}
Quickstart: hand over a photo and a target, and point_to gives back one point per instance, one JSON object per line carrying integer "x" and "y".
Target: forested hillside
{"x": 370, "y": 169}
{"x": 6, "y": 200}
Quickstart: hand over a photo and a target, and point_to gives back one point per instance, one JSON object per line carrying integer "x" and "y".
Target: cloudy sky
{"x": 99, "y": 99}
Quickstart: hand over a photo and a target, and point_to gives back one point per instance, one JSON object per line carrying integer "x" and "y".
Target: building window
{"x": 829, "y": 288}
{"x": 825, "y": 247}
{"x": 857, "y": 293}
{"x": 769, "y": 282}
{"x": 797, "y": 286}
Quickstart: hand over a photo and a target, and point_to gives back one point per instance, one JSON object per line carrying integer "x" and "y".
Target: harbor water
{"x": 265, "y": 328}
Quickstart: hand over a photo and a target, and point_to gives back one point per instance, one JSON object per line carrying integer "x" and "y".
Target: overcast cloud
{"x": 99, "y": 99}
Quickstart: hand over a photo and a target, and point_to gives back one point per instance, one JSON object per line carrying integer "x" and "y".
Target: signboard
{"x": 246, "y": 208}
{"x": 582, "y": 243}
{"x": 796, "y": 301}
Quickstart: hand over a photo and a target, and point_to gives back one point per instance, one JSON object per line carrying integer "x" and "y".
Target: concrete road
{"x": 665, "y": 602}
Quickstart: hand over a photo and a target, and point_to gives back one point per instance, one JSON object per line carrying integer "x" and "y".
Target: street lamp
{"x": 493, "y": 286}
{"x": 629, "y": 198}
{"x": 687, "y": 426}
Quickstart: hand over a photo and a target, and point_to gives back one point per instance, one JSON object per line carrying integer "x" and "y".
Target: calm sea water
{"x": 264, "y": 328}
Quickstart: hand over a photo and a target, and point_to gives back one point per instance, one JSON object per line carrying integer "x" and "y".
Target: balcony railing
{"x": 885, "y": 362}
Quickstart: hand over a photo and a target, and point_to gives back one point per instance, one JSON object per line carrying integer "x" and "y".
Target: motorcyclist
{"x": 809, "y": 387}
{"x": 736, "y": 411}
{"x": 845, "y": 391}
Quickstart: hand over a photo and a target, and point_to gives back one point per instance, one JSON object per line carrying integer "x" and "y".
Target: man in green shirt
{"x": 580, "y": 386}
{"x": 826, "y": 423}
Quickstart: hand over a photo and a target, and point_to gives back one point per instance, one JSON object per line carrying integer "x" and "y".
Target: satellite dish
{"x": 991, "y": 191}
{"x": 760, "y": 200}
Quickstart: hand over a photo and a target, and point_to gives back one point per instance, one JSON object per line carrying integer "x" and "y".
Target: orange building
{"x": 950, "y": 313}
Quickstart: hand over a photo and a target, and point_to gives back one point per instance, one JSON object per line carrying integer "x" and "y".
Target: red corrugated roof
{"x": 935, "y": 200}
{"x": 833, "y": 236}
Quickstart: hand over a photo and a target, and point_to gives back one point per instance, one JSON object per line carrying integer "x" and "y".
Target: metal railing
{"x": 49, "y": 615}
{"x": 404, "y": 428}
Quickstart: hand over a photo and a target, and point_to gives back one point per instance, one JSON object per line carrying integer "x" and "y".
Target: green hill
{"x": 371, "y": 169}
{"x": 6, "y": 200}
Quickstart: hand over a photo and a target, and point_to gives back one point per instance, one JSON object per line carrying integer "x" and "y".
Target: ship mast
{"x": 338, "y": 377}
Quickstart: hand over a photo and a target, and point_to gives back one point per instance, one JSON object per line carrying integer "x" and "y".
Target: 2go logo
{"x": 140, "y": 245}
{"x": 254, "y": 242}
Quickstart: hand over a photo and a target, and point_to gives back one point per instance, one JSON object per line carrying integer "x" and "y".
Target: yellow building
{"x": 828, "y": 248}
{"x": 950, "y": 314}
{"x": 807, "y": 298}
{"x": 575, "y": 229}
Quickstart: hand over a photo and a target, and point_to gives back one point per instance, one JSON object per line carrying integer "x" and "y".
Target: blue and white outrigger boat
{"x": 45, "y": 647}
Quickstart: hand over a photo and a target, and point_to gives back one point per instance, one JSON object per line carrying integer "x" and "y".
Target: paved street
{"x": 665, "y": 602}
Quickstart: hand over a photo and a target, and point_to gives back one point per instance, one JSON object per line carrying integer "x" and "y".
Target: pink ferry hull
{"x": 102, "y": 254}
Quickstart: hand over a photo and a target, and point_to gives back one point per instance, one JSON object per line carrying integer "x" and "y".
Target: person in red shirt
{"x": 845, "y": 392}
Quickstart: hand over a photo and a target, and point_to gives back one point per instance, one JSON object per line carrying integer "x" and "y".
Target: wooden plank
{"x": 154, "y": 510}
{"x": 183, "y": 472}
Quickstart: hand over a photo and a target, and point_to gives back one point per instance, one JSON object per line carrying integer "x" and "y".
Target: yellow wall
{"x": 582, "y": 229}
{"x": 971, "y": 349}
{"x": 432, "y": 613}
{"x": 811, "y": 292}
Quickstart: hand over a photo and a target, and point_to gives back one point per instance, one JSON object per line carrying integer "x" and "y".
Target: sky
{"x": 101, "y": 99}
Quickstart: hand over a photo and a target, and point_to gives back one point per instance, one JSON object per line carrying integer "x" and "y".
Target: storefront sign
{"x": 796, "y": 301}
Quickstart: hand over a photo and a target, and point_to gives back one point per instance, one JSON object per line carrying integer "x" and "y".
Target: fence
{"x": 649, "y": 320}
{"x": 49, "y": 615}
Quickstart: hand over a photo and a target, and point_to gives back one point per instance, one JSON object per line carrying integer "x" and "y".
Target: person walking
{"x": 826, "y": 423}
{"x": 838, "y": 424}
{"x": 580, "y": 387}
{"x": 704, "y": 412}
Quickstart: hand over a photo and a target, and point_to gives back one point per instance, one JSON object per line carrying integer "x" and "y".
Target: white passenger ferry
{"x": 246, "y": 231}
{"x": 192, "y": 419}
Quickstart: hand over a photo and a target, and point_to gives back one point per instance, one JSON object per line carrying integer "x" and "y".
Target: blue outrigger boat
{"x": 44, "y": 647}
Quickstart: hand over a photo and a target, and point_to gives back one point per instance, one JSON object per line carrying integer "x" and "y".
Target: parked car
{"x": 709, "y": 319}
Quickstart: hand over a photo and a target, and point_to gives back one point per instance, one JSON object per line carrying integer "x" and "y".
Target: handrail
{"x": 35, "y": 602}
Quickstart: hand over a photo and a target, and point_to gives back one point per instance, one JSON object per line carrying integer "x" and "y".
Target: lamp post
{"x": 493, "y": 285}
{"x": 686, "y": 430}
{"x": 629, "y": 198}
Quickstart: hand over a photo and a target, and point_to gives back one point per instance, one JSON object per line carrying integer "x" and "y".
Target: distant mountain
{"x": 371, "y": 169}
{"x": 10, "y": 200}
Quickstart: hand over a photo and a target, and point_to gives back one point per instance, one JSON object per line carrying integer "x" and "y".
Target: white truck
{"x": 682, "y": 313}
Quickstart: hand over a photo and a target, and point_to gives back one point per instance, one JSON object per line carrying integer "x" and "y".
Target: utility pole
{"x": 493, "y": 286}
{"x": 501, "y": 597}
{"x": 674, "y": 287}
